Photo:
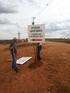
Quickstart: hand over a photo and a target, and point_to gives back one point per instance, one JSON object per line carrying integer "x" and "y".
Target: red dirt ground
{"x": 52, "y": 75}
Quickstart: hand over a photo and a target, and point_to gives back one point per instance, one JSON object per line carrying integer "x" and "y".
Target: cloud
{"x": 39, "y": 3}
{"x": 58, "y": 30}
{"x": 59, "y": 25}
{"x": 33, "y": 2}
{"x": 4, "y": 21}
{"x": 7, "y": 8}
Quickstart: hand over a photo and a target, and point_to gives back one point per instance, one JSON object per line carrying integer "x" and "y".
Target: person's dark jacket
{"x": 12, "y": 48}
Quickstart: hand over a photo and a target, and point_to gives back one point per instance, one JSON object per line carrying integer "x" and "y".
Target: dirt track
{"x": 52, "y": 75}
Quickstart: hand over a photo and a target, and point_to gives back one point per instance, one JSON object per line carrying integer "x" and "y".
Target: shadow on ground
{"x": 35, "y": 65}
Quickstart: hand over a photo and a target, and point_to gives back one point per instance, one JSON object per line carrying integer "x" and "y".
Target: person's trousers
{"x": 38, "y": 52}
{"x": 13, "y": 61}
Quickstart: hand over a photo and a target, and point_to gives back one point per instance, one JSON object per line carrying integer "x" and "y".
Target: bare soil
{"x": 50, "y": 75}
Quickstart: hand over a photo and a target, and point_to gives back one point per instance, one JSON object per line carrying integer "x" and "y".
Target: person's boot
{"x": 16, "y": 69}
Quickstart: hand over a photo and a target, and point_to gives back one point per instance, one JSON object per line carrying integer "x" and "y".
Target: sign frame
{"x": 36, "y": 33}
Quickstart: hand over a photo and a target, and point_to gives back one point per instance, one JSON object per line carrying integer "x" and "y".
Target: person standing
{"x": 13, "y": 51}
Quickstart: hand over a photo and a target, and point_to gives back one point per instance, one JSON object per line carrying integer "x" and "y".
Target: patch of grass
{"x": 60, "y": 88}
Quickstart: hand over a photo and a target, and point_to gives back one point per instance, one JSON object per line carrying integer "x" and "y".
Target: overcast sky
{"x": 16, "y": 15}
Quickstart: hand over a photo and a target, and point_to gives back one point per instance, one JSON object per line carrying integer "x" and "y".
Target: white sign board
{"x": 36, "y": 33}
{"x": 23, "y": 60}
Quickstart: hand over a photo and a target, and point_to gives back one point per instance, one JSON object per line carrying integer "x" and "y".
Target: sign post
{"x": 36, "y": 35}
